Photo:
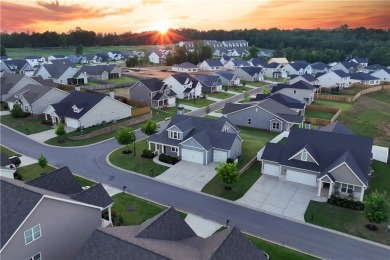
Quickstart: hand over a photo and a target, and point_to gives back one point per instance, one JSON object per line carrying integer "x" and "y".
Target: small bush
{"x": 168, "y": 159}
{"x": 147, "y": 154}
{"x": 17, "y": 176}
{"x": 229, "y": 160}
{"x": 346, "y": 202}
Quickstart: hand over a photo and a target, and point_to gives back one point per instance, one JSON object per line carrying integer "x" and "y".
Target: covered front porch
{"x": 164, "y": 149}
{"x": 327, "y": 188}
{"x": 160, "y": 103}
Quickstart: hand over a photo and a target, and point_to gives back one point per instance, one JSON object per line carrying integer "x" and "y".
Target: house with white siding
{"x": 382, "y": 74}
{"x": 210, "y": 64}
{"x": 274, "y": 70}
{"x": 317, "y": 67}
{"x": 235, "y": 64}
{"x": 59, "y": 73}
{"x": 228, "y": 78}
{"x": 364, "y": 78}
{"x": 252, "y": 74}
{"x": 35, "y": 61}
{"x": 185, "y": 86}
{"x": 346, "y": 66}
{"x": 210, "y": 83}
{"x": 297, "y": 68}
{"x": 337, "y": 78}
{"x": 185, "y": 67}
{"x": 301, "y": 91}
{"x": 305, "y": 77}
{"x": 12, "y": 83}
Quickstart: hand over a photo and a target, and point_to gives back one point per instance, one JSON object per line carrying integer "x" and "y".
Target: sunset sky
{"x": 142, "y": 15}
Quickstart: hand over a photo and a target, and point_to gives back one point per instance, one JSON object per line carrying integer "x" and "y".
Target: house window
{"x": 304, "y": 155}
{"x": 174, "y": 149}
{"x": 347, "y": 188}
{"x": 174, "y": 135}
{"x": 249, "y": 121}
{"x": 36, "y": 257}
{"x": 276, "y": 126}
{"x": 225, "y": 128}
{"x": 32, "y": 234}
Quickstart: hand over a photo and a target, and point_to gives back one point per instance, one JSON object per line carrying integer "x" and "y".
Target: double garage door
{"x": 303, "y": 178}
{"x": 192, "y": 156}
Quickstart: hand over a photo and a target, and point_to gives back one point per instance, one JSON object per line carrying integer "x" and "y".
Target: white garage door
{"x": 72, "y": 122}
{"x": 220, "y": 156}
{"x": 270, "y": 169}
{"x": 192, "y": 156}
{"x": 299, "y": 177}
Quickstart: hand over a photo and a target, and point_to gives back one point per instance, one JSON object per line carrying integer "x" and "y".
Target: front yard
{"x": 350, "y": 221}
{"x": 258, "y": 84}
{"x": 8, "y": 152}
{"x": 239, "y": 89}
{"x": 26, "y": 125}
{"x": 33, "y": 171}
{"x": 220, "y": 95}
{"x": 200, "y": 102}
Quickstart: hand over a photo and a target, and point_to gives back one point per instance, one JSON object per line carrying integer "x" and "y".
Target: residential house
{"x": 40, "y": 224}
{"x": 266, "y": 53}
{"x": 235, "y": 43}
{"x": 45, "y": 82}
{"x": 82, "y": 110}
{"x": 55, "y": 57}
{"x": 364, "y": 78}
{"x": 35, "y": 61}
{"x": 103, "y": 57}
{"x": 61, "y": 74}
{"x": 274, "y": 71}
{"x": 167, "y": 236}
{"x": 185, "y": 86}
{"x": 318, "y": 67}
{"x": 114, "y": 55}
{"x": 282, "y": 61}
{"x": 305, "y": 77}
{"x": 7, "y": 168}
{"x": 210, "y": 64}
{"x": 331, "y": 158}
{"x": 252, "y": 74}
{"x": 65, "y": 61}
{"x": 5, "y": 58}
{"x": 213, "y": 43}
{"x": 35, "y": 98}
{"x": 12, "y": 83}
{"x": 337, "y": 78}
{"x": 296, "y": 68}
{"x": 301, "y": 91}
{"x": 153, "y": 92}
{"x": 199, "y": 140}
{"x": 373, "y": 68}
{"x": 257, "y": 62}
{"x": 227, "y": 78}
{"x": 235, "y": 64}
{"x": 188, "y": 44}
{"x": 346, "y": 66}
{"x": 284, "y": 100}
{"x": 93, "y": 58}
{"x": 210, "y": 83}
{"x": 266, "y": 114}
{"x": 382, "y": 74}
{"x": 101, "y": 72}
{"x": 4, "y": 69}
{"x": 361, "y": 61}
{"x": 225, "y": 59}
{"x": 238, "y": 52}
{"x": 155, "y": 57}
{"x": 19, "y": 67}
{"x": 220, "y": 52}
{"x": 185, "y": 67}
{"x": 77, "y": 59}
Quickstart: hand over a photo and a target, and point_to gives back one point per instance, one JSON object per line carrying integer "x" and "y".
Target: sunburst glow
{"x": 162, "y": 27}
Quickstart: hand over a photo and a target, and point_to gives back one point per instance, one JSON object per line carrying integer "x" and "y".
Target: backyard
{"x": 350, "y": 221}
{"x": 319, "y": 114}
{"x": 122, "y": 80}
{"x": 26, "y": 125}
{"x": 33, "y": 171}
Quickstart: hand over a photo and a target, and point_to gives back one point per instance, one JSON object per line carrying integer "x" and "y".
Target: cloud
{"x": 18, "y": 17}
{"x": 151, "y": 2}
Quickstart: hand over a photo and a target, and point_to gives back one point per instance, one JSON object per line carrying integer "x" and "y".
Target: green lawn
{"x": 84, "y": 182}
{"x": 319, "y": 114}
{"x": 257, "y": 84}
{"x": 200, "y": 102}
{"x": 352, "y": 221}
{"x": 33, "y": 171}
{"x": 254, "y": 140}
{"x": 122, "y": 80}
{"x": 91, "y": 84}
{"x": 344, "y": 106}
{"x": 217, "y": 188}
{"x": 239, "y": 89}
{"x": 32, "y": 123}
{"x": 220, "y": 95}
{"x": 8, "y": 152}
{"x": 276, "y": 80}
{"x": 219, "y": 110}
{"x": 163, "y": 113}
{"x": 137, "y": 163}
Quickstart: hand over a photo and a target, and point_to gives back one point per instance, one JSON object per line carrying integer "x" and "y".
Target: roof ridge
{"x": 229, "y": 233}
{"x": 47, "y": 174}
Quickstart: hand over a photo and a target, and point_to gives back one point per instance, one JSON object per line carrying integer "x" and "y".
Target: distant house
{"x": 19, "y": 67}
{"x": 210, "y": 83}
{"x": 235, "y": 43}
{"x": 153, "y": 92}
{"x": 228, "y": 78}
{"x": 114, "y": 55}
{"x": 101, "y": 72}
{"x": 266, "y": 53}
{"x": 225, "y": 59}
{"x": 284, "y": 100}
{"x": 337, "y": 78}
{"x": 185, "y": 67}
{"x": 364, "y": 78}
{"x": 317, "y": 67}
{"x": 103, "y": 57}
{"x": 198, "y": 139}
{"x": 210, "y": 64}
{"x": 267, "y": 114}
{"x": 220, "y": 52}
{"x": 382, "y": 74}
{"x": 252, "y": 74}
{"x": 35, "y": 61}
{"x": 373, "y": 67}
{"x": 282, "y": 61}
{"x": 235, "y": 64}
{"x": 274, "y": 70}
{"x": 296, "y": 68}
{"x": 188, "y": 44}
{"x": 12, "y": 83}
{"x": 154, "y": 57}
{"x": 361, "y": 61}
{"x": 301, "y": 91}
{"x": 257, "y": 62}
{"x": 305, "y": 77}
{"x": 167, "y": 236}
{"x": 346, "y": 66}
{"x": 92, "y": 58}
{"x": 331, "y": 158}
{"x": 77, "y": 59}
{"x": 55, "y": 57}
{"x": 82, "y": 110}
{"x": 61, "y": 74}
{"x": 65, "y": 61}
{"x": 36, "y": 98}
{"x": 185, "y": 86}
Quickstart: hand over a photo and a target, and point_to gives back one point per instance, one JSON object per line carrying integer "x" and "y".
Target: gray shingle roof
{"x": 341, "y": 73}
{"x": 336, "y": 127}
{"x": 153, "y": 84}
{"x": 233, "y": 107}
{"x": 8, "y": 81}
{"x": 297, "y": 85}
{"x": 225, "y": 74}
{"x": 65, "y": 61}
{"x": 96, "y": 70}
{"x": 307, "y": 77}
{"x": 31, "y": 93}
{"x": 252, "y": 71}
{"x": 319, "y": 66}
{"x": 16, "y": 64}
{"x": 272, "y": 65}
{"x": 281, "y": 98}
{"x": 363, "y": 76}
{"x": 95, "y": 195}
{"x": 375, "y": 67}
{"x": 297, "y": 65}
{"x": 45, "y": 82}
{"x": 61, "y": 181}
{"x": 272, "y": 152}
{"x": 56, "y": 70}
{"x": 243, "y": 63}
{"x": 258, "y": 62}
{"x": 214, "y": 63}
{"x": 186, "y": 65}
{"x": 208, "y": 80}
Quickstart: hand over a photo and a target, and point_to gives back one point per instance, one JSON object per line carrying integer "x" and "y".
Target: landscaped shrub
{"x": 229, "y": 160}
{"x": 168, "y": 159}
{"x": 17, "y": 176}
{"x": 346, "y": 202}
{"x": 117, "y": 220}
{"x": 147, "y": 154}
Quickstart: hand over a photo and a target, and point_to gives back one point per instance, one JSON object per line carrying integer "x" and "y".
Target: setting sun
{"x": 162, "y": 27}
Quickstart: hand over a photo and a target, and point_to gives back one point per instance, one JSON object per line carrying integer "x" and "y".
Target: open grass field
{"x": 350, "y": 221}
{"x": 26, "y": 125}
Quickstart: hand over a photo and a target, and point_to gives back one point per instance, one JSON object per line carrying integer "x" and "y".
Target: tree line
{"x": 309, "y": 44}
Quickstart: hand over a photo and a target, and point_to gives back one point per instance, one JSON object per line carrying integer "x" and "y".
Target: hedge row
{"x": 346, "y": 202}
{"x": 168, "y": 159}
{"x": 147, "y": 154}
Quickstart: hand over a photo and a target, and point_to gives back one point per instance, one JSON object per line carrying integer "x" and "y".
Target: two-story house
{"x": 296, "y": 68}
{"x": 346, "y": 66}
{"x": 210, "y": 83}
{"x": 199, "y": 140}
{"x": 300, "y": 90}
{"x": 336, "y": 78}
{"x": 185, "y": 86}
{"x": 235, "y": 64}
{"x": 60, "y": 73}
{"x": 252, "y": 74}
{"x": 317, "y": 67}
{"x": 12, "y": 83}
{"x": 274, "y": 70}
{"x": 227, "y": 78}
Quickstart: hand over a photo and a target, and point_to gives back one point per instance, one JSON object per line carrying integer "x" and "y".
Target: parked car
{"x": 15, "y": 160}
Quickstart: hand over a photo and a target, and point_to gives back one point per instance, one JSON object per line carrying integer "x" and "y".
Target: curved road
{"x": 90, "y": 162}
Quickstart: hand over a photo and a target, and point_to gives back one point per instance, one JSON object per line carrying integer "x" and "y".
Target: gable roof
{"x": 45, "y": 82}
{"x": 363, "y": 76}
{"x": 83, "y": 101}
{"x": 252, "y": 71}
{"x": 297, "y": 85}
{"x": 208, "y": 80}
{"x": 297, "y": 65}
{"x": 375, "y": 67}
{"x": 214, "y": 63}
{"x": 56, "y": 70}
{"x": 182, "y": 77}
{"x": 341, "y": 73}
{"x": 307, "y": 77}
{"x": 272, "y": 65}
{"x": 9, "y": 80}
{"x": 95, "y": 195}
{"x": 336, "y": 127}
{"x": 96, "y": 70}
{"x": 153, "y": 84}
{"x": 319, "y": 66}
{"x": 258, "y": 62}
{"x": 64, "y": 61}
{"x": 16, "y": 64}
{"x": 242, "y": 63}
{"x": 31, "y": 93}
{"x": 186, "y": 65}
{"x": 349, "y": 64}
{"x": 272, "y": 152}
{"x": 225, "y": 74}
{"x": 287, "y": 101}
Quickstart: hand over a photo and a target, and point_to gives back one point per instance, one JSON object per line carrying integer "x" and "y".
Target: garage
{"x": 271, "y": 169}
{"x": 72, "y": 122}
{"x": 220, "y": 156}
{"x": 300, "y": 177}
{"x": 192, "y": 156}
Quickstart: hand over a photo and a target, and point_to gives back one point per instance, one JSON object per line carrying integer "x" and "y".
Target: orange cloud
{"x": 19, "y": 17}
{"x": 151, "y": 2}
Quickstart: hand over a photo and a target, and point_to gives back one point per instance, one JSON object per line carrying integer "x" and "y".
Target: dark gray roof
{"x": 153, "y": 84}
{"x": 319, "y": 66}
{"x": 243, "y": 63}
{"x": 297, "y": 65}
{"x": 252, "y": 71}
{"x": 58, "y": 56}
{"x": 208, "y": 80}
{"x": 187, "y": 65}
{"x": 214, "y": 63}
{"x": 272, "y": 152}
{"x": 233, "y": 107}
{"x": 95, "y": 195}
{"x": 8, "y": 81}
{"x": 31, "y": 93}
{"x": 16, "y": 203}
{"x": 227, "y": 58}
{"x": 16, "y": 64}
{"x": 56, "y": 70}
{"x": 96, "y": 70}
{"x": 349, "y": 64}
{"x": 363, "y": 76}
{"x": 281, "y": 98}
{"x": 32, "y": 57}
{"x": 297, "y": 85}
{"x": 272, "y": 65}
{"x": 4, "y": 160}
{"x": 61, "y": 181}
{"x": 307, "y": 77}
{"x": 182, "y": 77}
{"x": 4, "y": 57}
{"x": 336, "y": 127}
{"x": 64, "y": 61}
{"x": 375, "y": 67}
{"x": 84, "y": 101}
{"x": 359, "y": 60}
{"x": 260, "y": 97}
{"x": 225, "y": 74}
{"x": 258, "y": 62}
{"x": 44, "y": 82}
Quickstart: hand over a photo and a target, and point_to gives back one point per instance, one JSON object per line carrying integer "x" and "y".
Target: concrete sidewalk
{"x": 49, "y": 134}
{"x": 4, "y": 113}
{"x": 214, "y": 99}
{"x": 201, "y": 226}
{"x": 189, "y": 107}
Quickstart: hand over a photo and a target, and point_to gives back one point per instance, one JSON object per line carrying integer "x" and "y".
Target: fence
{"x": 140, "y": 111}
{"x": 248, "y": 165}
{"x": 108, "y": 86}
{"x": 320, "y": 121}
{"x": 369, "y": 90}
{"x": 333, "y": 98}
{"x": 113, "y": 127}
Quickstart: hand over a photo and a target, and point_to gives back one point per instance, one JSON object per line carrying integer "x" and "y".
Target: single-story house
{"x": 19, "y": 67}
{"x": 331, "y": 158}
{"x": 155, "y": 57}
{"x": 12, "y": 83}
{"x": 300, "y": 90}
{"x": 364, "y": 78}
{"x": 318, "y": 67}
{"x": 35, "y": 61}
{"x": 55, "y": 57}
{"x": 235, "y": 64}
{"x": 252, "y": 74}
{"x": 60, "y": 73}
{"x": 82, "y": 110}
{"x": 225, "y": 59}
{"x": 197, "y": 139}
{"x": 227, "y": 78}
{"x": 185, "y": 86}
{"x": 346, "y": 66}
{"x": 305, "y": 77}
{"x": 267, "y": 114}
{"x": 101, "y": 72}
{"x": 296, "y": 68}
{"x": 257, "y": 62}
{"x": 210, "y": 64}
{"x": 210, "y": 83}
{"x": 235, "y": 43}
{"x": 153, "y": 92}
{"x": 185, "y": 67}
{"x": 289, "y": 102}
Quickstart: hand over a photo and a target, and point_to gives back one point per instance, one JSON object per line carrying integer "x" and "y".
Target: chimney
{"x": 180, "y": 110}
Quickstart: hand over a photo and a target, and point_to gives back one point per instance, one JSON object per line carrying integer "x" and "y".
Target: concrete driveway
{"x": 283, "y": 198}
{"x": 192, "y": 176}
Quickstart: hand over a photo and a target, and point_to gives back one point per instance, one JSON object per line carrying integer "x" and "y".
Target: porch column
{"x": 178, "y": 151}
{"x": 149, "y": 146}
{"x": 109, "y": 214}
{"x": 319, "y": 188}
{"x": 162, "y": 148}
{"x": 330, "y": 189}
{"x": 362, "y": 194}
